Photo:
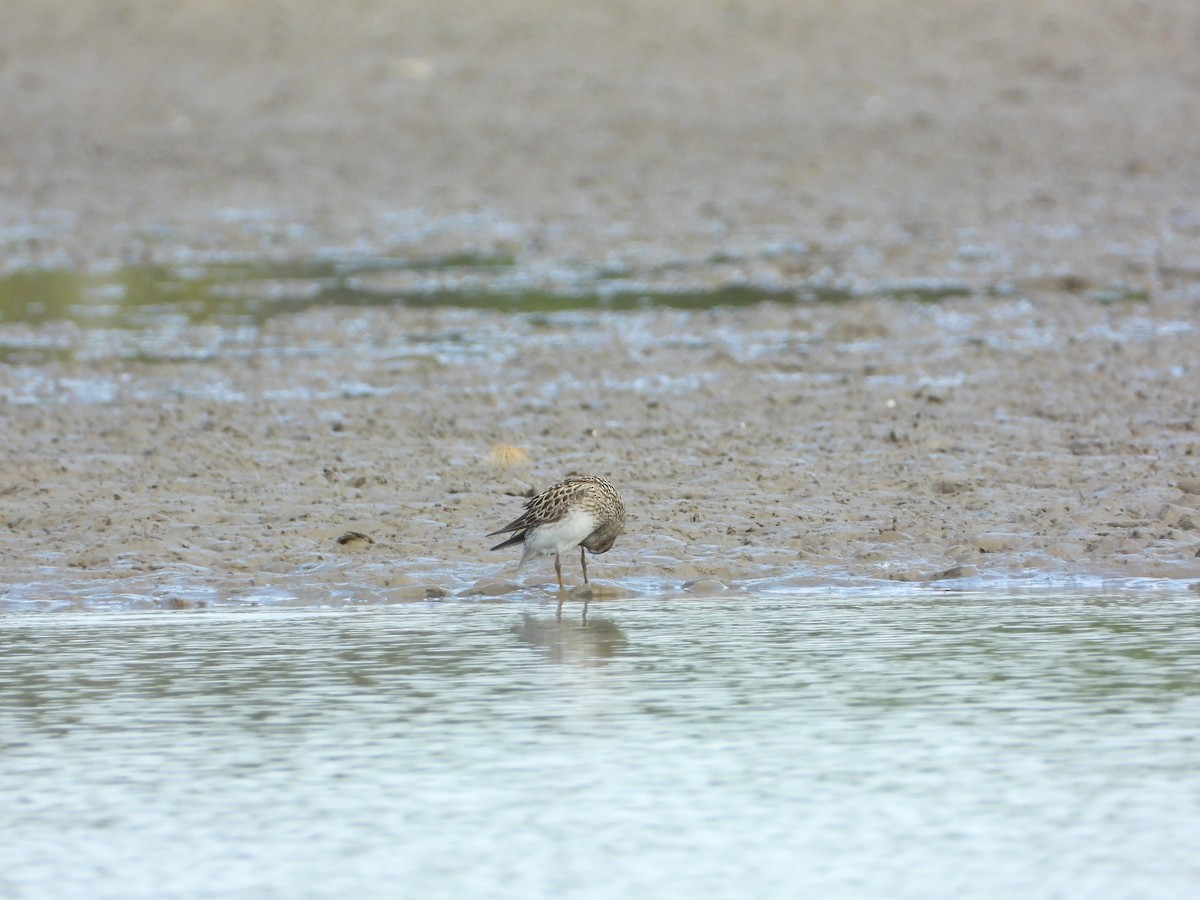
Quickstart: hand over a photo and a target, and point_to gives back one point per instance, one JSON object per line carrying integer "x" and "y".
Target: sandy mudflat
{"x": 1038, "y": 159}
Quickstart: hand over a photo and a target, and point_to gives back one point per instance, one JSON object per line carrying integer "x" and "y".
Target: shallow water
{"x": 849, "y": 744}
{"x": 141, "y": 311}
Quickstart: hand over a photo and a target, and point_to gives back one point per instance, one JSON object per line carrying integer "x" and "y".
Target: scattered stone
{"x": 417, "y": 592}
{"x": 955, "y": 572}
{"x": 180, "y": 603}
{"x": 904, "y": 573}
{"x": 705, "y": 586}
{"x": 599, "y": 590}
{"x": 490, "y": 587}
{"x": 947, "y": 486}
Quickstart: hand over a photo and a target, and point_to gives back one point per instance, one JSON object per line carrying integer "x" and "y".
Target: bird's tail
{"x": 515, "y": 539}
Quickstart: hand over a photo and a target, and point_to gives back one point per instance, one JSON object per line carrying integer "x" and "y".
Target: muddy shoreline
{"x": 757, "y": 448}
{"x": 1033, "y": 164}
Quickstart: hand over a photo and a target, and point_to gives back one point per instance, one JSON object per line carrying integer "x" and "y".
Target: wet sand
{"x": 1038, "y": 159}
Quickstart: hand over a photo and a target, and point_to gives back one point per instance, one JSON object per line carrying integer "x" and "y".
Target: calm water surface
{"x": 849, "y": 745}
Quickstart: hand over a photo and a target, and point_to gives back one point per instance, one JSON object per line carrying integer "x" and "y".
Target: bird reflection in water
{"x": 587, "y": 643}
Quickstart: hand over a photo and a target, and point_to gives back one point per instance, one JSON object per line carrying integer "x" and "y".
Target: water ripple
{"x": 841, "y": 744}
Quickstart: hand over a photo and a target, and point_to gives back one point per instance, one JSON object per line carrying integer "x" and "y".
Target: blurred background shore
{"x": 894, "y": 140}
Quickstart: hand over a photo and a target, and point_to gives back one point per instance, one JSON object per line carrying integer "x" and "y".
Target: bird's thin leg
{"x": 558, "y": 613}
{"x": 585, "y": 603}
{"x": 558, "y": 570}
{"x": 583, "y": 562}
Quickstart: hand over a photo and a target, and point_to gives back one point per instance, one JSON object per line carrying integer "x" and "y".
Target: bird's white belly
{"x": 559, "y": 537}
